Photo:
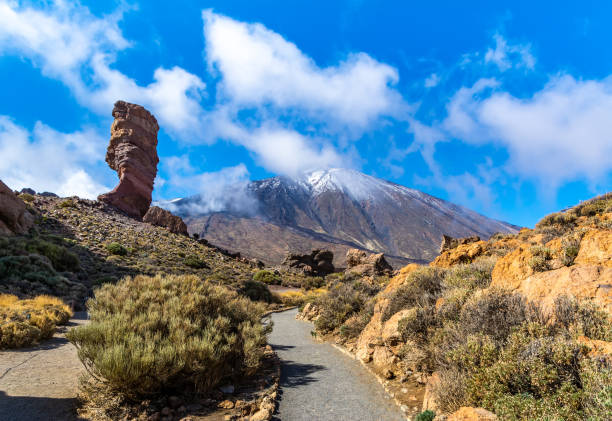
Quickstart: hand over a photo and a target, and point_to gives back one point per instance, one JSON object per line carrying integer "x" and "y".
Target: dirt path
{"x": 40, "y": 383}
{"x": 318, "y": 382}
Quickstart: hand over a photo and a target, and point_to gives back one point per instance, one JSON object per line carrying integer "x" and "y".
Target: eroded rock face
{"x": 132, "y": 152}
{"x": 14, "y": 216}
{"x": 360, "y": 263}
{"x": 318, "y": 262}
{"x": 163, "y": 218}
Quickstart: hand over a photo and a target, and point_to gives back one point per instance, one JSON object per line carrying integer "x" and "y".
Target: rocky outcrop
{"x": 472, "y": 414}
{"x": 316, "y": 263}
{"x": 449, "y": 243}
{"x": 14, "y": 216}
{"x": 429, "y": 399}
{"x": 163, "y": 218}
{"x": 358, "y": 262}
{"x": 132, "y": 152}
{"x": 309, "y": 313}
{"x": 595, "y": 248}
{"x": 377, "y": 341}
{"x": 592, "y": 283}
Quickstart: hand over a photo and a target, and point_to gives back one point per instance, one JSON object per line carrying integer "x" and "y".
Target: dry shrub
{"x": 300, "y": 298}
{"x": 168, "y": 333}
{"x": 471, "y": 276}
{"x": 24, "y": 322}
{"x": 421, "y": 288}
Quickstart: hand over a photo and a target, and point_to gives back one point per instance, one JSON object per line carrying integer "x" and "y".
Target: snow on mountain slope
{"x": 341, "y": 208}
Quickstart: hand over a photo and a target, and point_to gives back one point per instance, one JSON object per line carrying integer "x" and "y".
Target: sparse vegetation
{"x": 167, "y": 333}
{"x": 25, "y": 322}
{"x": 426, "y": 416}
{"x": 195, "y": 262}
{"x": 539, "y": 262}
{"x": 257, "y": 291}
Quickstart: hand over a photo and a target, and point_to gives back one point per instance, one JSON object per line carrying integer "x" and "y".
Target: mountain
{"x": 336, "y": 209}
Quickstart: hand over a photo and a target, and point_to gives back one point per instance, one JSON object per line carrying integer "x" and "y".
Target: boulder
{"x": 472, "y": 414}
{"x": 316, "y": 263}
{"x": 595, "y": 248}
{"x": 358, "y": 262}
{"x": 513, "y": 268}
{"x": 449, "y": 243}
{"x": 309, "y": 313}
{"x": 132, "y": 152}
{"x": 14, "y": 216}
{"x": 462, "y": 253}
{"x": 163, "y": 218}
{"x": 27, "y": 190}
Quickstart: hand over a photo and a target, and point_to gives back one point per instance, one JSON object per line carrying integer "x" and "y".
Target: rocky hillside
{"x": 516, "y": 324}
{"x": 336, "y": 209}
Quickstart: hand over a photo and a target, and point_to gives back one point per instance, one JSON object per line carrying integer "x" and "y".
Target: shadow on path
{"x": 27, "y": 408}
{"x": 295, "y": 374}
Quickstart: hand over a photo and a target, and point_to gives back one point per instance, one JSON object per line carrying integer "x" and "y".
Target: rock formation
{"x": 316, "y": 263}
{"x": 14, "y": 216}
{"x": 132, "y": 152}
{"x": 163, "y": 218}
{"x": 359, "y": 263}
{"x": 449, "y": 242}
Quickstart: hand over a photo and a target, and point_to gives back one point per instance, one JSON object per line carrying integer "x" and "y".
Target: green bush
{"x": 67, "y": 203}
{"x": 257, "y": 291}
{"x": 427, "y": 415}
{"x": 116, "y": 249}
{"x": 267, "y": 277}
{"x": 61, "y": 259}
{"x": 195, "y": 262}
{"x": 169, "y": 334}
{"x": 471, "y": 276}
{"x": 26, "y": 197}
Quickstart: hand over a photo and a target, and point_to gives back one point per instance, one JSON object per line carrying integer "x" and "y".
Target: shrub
{"x": 257, "y": 291}
{"x": 471, "y": 276}
{"x": 421, "y": 288}
{"x": 427, "y": 415}
{"x": 342, "y": 301}
{"x": 67, "y": 203}
{"x": 116, "y": 249}
{"x": 539, "y": 260}
{"x": 569, "y": 250}
{"x": 267, "y": 277}
{"x": 596, "y": 379}
{"x": 169, "y": 333}
{"x": 61, "y": 259}
{"x": 24, "y": 322}
{"x": 195, "y": 262}
{"x": 353, "y": 327}
{"x": 563, "y": 219}
{"x": 26, "y": 197}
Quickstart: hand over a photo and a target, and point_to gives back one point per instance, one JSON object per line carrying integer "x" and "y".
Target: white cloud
{"x": 258, "y": 67}
{"x": 48, "y": 160}
{"x": 506, "y": 56}
{"x": 70, "y": 44}
{"x": 224, "y": 190}
{"x": 432, "y": 81}
{"x": 559, "y": 134}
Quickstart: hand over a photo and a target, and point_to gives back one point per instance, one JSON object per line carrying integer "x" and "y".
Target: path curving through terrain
{"x": 40, "y": 382}
{"x": 318, "y": 382}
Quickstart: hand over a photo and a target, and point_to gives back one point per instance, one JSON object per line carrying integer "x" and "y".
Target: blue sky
{"x": 503, "y": 107}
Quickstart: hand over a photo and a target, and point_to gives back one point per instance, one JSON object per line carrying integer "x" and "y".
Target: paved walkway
{"x": 318, "y": 382}
{"x": 40, "y": 383}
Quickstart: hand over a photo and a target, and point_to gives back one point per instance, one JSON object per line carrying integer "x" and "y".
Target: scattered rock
{"x": 132, "y": 152}
{"x": 309, "y": 313}
{"x": 472, "y": 414}
{"x": 226, "y": 404}
{"x": 316, "y": 263}
{"x": 163, "y": 218}
{"x": 14, "y": 216}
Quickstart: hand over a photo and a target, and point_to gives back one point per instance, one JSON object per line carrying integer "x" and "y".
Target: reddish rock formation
{"x": 359, "y": 263}
{"x": 449, "y": 242}
{"x": 132, "y": 152}
{"x": 472, "y": 414}
{"x": 163, "y": 218}
{"x": 14, "y": 217}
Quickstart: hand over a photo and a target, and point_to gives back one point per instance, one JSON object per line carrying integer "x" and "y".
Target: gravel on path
{"x": 318, "y": 382}
{"x": 40, "y": 382}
